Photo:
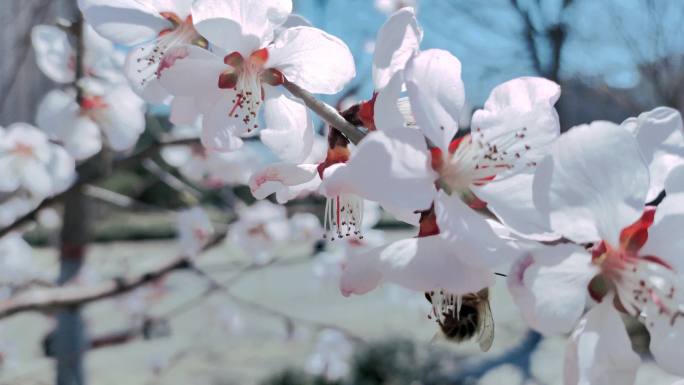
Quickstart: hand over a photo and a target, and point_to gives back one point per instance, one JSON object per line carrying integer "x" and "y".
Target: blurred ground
{"x": 218, "y": 342}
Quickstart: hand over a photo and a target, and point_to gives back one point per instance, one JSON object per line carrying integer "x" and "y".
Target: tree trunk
{"x": 70, "y": 341}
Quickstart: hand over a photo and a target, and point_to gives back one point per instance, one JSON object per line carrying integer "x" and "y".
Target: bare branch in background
{"x": 77, "y": 295}
{"x": 528, "y": 35}
{"x": 261, "y": 308}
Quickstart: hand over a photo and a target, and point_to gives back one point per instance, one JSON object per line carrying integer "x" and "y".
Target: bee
{"x": 474, "y": 319}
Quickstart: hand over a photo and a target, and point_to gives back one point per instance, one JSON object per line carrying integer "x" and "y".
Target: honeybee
{"x": 474, "y": 319}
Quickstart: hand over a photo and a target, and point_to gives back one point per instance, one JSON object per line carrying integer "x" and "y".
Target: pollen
{"x": 477, "y": 158}
{"x": 153, "y": 60}
{"x": 343, "y": 217}
{"x": 245, "y": 77}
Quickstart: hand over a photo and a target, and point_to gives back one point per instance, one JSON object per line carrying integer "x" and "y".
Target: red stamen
{"x": 428, "y": 223}
{"x": 238, "y": 103}
{"x": 165, "y": 31}
{"x": 483, "y": 181}
{"x": 227, "y": 80}
{"x": 234, "y": 59}
{"x": 172, "y": 17}
{"x": 366, "y": 113}
{"x": 93, "y": 102}
{"x": 657, "y": 260}
{"x": 259, "y": 57}
{"x": 453, "y": 146}
{"x": 634, "y": 236}
{"x": 338, "y": 154}
{"x": 437, "y": 160}
{"x": 337, "y": 200}
{"x": 477, "y": 203}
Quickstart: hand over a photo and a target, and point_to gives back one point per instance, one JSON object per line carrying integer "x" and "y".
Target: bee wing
{"x": 485, "y": 336}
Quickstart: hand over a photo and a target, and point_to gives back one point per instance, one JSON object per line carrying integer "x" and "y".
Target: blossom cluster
{"x": 573, "y": 215}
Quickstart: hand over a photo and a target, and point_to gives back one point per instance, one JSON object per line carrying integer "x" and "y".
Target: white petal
{"x": 57, "y": 113}
{"x": 386, "y": 113}
{"x": 660, "y": 135}
{"x": 193, "y": 73}
{"x": 421, "y": 264}
{"x": 218, "y": 128}
{"x": 62, "y": 170}
{"x": 405, "y": 215}
{"x": 126, "y": 22}
{"x": 510, "y": 199}
{"x": 470, "y": 234}
{"x": 522, "y": 106}
{"x": 179, "y": 7}
{"x": 590, "y": 193}
{"x": 11, "y": 180}
{"x": 54, "y": 54}
{"x": 667, "y": 340}
{"x": 398, "y": 39}
{"x": 36, "y": 179}
{"x": 194, "y": 229}
{"x": 549, "y": 286}
{"x": 142, "y": 73}
{"x": 293, "y": 20}
{"x": 184, "y": 111}
{"x": 286, "y": 193}
{"x": 84, "y": 140}
{"x": 433, "y": 81}
{"x": 664, "y": 236}
{"x": 392, "y": 169}
{"x": 599, "y": 351}
{"x": 176, "y": 156}
{"x": 289, "y": 129}
{"x": 123, "y": 120}
{"x": 59, "y": 116}
{"x": 239, "y": 25}
{"x": 286, "y": 180}
{"x": 675, "y": 180}
{"x": 523, "y": 94}
{"x": 313, "y": 59}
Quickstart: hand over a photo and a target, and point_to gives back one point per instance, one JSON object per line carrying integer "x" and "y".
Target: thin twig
{"x": 326, "y": 112}
{"x": 78, "y": 295}
{"x": 226, "y": 289}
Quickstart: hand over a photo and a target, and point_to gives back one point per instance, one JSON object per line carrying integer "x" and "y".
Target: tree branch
{"x": 78, "y": 295}
{"x": 326, "y": 112}
{"x": 529, "y": 33}
{"x": 289, "y": 319}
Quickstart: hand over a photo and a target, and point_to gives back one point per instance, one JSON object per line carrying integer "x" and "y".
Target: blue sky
{"x": 606, "y": 37}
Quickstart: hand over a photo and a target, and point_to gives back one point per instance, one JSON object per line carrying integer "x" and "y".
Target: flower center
{"x": 94, "y": 107}
{"x": 646, "y": 286}
{"x": 246, "y": 78}
{"x": 258, "y": 231}
{"x": 91, "y": 103}
{"x": 480, "y": 156}
{"x": 23, "y": 150}
{"x": 152, "y": 60}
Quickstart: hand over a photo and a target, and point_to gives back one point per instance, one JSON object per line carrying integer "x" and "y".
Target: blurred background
{"x": 268, "y": 310}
